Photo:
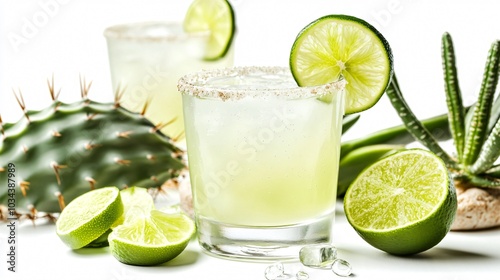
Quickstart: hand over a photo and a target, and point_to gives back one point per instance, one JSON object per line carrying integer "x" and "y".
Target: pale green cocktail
{"x": 263, "y": 158}
{"x": 147, "y": 59}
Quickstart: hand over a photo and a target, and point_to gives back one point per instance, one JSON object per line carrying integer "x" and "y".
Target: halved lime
{"x": 217, "y": 17}
{"x": 341, "y": 45}
{"x": 151, "y": 238}
{"x": 134, "y": 197}
{"x": 89, "y": 216}
{"x": 403, "y": 204}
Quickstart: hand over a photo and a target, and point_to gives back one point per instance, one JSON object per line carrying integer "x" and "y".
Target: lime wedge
{"x": 134, "y": 197}
{"x": 89, "y": 216}
{"x": 340, "y": 45}
{"x": 217, "y": 17}
{"x": 151, "y": 238}
{"x": 403, "y": 204}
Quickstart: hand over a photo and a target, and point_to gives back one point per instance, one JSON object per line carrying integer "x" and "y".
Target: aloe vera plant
{"x": 476, "y": 137}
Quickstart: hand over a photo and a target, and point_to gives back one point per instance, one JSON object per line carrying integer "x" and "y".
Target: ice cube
{"x": 318, "y": 255}
{"x": 341, "y": 268}
{"x": 274, "y": 271}
{"x": 301, "y": 275}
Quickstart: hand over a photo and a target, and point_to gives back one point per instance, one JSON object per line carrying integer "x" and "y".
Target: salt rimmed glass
{"x": 146, "y": 61}
{"x": 263, "y": 157}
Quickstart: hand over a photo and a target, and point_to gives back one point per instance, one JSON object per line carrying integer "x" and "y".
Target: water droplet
{"x": 341, "y": 268}
{"x": 318, "y": 256}
{"x": 302, "y": 275}
{"x": 274, "y": 271}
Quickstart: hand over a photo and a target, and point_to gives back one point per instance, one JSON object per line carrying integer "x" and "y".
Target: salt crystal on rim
{"x": 269, "y": 80}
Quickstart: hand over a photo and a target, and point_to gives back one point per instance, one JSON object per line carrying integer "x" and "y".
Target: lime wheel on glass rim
{"x": 216, "y": 17}
{"x": 336, "y": 46}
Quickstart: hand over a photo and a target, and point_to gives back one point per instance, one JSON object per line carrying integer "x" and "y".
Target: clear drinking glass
{"x": 147, "y": 59}
{"x": 263, "y": 157}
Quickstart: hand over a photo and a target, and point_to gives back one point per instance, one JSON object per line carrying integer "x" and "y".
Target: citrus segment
{"x": 134, "y": 197}
{"x": 216, "y": 17}
{"x": 174, "y": 226}
{"x": 337, "y": 46}
{"x": 89, "y": 216}
{"x": 403, "y": 204}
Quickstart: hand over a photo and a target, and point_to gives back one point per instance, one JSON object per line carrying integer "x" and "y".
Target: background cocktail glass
{"x": 263, "y": 157}
{"x": 147, "y": 59}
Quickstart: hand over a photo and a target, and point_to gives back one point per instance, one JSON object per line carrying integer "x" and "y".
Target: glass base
{"x": 262, "y": 243}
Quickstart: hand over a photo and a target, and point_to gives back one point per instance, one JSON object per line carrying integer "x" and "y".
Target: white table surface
{"x": 460, "y": 255}
{"x": 70, "y": 43}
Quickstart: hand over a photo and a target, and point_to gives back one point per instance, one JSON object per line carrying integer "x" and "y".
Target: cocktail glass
{"x": 147, "y": 59}
{"x": 263, "y": 157}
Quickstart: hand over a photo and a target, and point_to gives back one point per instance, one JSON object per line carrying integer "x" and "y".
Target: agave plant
{"x": 476, "y": 138}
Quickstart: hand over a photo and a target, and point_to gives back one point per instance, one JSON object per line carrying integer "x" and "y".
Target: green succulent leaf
{"x": 456, "y": 110}
{"x": 494, "y": 171}
{"x": 479, "y": 123}
{"x": 495, "y": 114}
{"x": 348, "y": 121}
{"x": 399, "y": 135}
{"x": 489, "y": 152}
{"x": 414, "y": 126}
{"x": 480, "y": 181}
{"x": 494, "y": 117}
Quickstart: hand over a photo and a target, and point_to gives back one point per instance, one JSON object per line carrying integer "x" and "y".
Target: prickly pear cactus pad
{"x": 65, "y": 150}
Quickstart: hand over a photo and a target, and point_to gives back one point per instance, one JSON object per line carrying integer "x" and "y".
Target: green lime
{"x": 337, "y": 46}
{"x": 404, "y": 203}
{"x": 89, "y": 216}
{"x": 217, "y": 17}
{"x": 134, "y": 197}
{"x": 151, "y": 238}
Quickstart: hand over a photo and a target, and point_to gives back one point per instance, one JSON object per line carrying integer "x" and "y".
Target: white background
{"x": 64, "y": 38}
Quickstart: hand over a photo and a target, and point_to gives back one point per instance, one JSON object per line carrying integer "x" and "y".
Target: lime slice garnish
{"x": 151, "y": 238}
{"x": 403, "y": 204}
{"x": 340, "y": 45}
{"x": 215, "y": 16}
{"x": 89, "y": 216}
{"x": 134, "y": 197}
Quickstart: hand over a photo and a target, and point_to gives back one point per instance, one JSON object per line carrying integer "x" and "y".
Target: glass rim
{"x": 121, "y": 32}
{"x": 194, "y": 84}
